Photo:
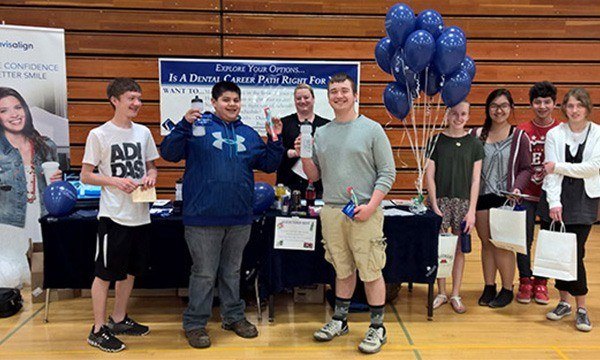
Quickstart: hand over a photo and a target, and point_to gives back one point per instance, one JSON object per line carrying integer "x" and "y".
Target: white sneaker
{"x": 374, "y": 339}
{"x": 330, "y": 330}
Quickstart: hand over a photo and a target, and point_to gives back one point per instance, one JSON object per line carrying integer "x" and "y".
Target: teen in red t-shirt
{"x": 542, "y": 97}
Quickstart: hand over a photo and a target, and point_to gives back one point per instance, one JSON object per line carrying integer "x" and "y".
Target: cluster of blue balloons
{"x": 418, "y": 50}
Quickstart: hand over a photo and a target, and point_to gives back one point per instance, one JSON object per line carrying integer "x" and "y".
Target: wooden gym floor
{"x": 515, "y": 332}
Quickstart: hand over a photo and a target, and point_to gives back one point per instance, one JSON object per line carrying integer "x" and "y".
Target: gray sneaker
{"x": 331, "y": 329}
{"x": 373, "y": 340}
{"x": 560, "y": 311}
{"x": 582, "y": 322}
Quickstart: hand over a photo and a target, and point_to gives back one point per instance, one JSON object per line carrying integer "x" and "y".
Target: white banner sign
{"x": 263, "y": 84}
{"x": 32, "y": 62}
{"x": 295, "y": 233}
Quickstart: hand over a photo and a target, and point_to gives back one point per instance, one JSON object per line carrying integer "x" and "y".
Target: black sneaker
{"x": 127, "y": 327}
{"x": 489, "y": 293}
{"x": 105, "y": 340}
{"x": 503, "y": 298}
{"x": 560, "y": 311}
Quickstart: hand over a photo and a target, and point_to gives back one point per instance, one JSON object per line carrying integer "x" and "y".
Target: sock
{"x": 341, "y": 309}
{"x": 377, "y": 316}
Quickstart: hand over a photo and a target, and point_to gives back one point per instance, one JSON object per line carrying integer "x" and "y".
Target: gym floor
{"x": 515, "y": 332}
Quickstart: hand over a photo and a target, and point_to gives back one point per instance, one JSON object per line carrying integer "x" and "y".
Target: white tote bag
{"x": 556, "y": 254}
{"x": 508, "y": 229}
{"x": 446, "y": 251}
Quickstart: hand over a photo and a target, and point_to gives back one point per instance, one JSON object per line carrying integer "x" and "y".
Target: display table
{"x": 70, "y": 245}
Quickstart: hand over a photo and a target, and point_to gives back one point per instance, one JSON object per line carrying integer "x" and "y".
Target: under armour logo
{"x": 218, "y": 143}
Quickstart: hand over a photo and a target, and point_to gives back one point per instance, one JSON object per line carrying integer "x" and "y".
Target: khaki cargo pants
{"x": 351, "y": 245}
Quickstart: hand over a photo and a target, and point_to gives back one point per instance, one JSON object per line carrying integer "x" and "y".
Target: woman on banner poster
{"x": 22, "y": 152}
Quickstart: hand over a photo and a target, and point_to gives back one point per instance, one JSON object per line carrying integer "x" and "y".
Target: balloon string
{"x": 417, "y": 150}
{"x": 442, "y": 125}
{"x": 404, "y": 164}
{"x": 425, "y": 111}
{"x": 410, "y": 140}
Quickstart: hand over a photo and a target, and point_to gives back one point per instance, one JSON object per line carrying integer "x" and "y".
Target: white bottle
{"x": 198, "y": 127}
{"x": 306, "y": 141}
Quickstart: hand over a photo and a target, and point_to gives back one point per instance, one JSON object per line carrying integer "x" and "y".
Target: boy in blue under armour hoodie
{"x": 218, "y": 190}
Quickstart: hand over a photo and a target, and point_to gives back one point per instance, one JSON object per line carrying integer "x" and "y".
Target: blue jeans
{"x": 216, "y": 251}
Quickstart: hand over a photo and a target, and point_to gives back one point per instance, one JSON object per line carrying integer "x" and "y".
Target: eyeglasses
{"x": 504, "y": 106}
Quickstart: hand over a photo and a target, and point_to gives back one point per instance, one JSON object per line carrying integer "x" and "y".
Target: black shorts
{"x": 120, "y": 250}
{"x": 488, "y": 201}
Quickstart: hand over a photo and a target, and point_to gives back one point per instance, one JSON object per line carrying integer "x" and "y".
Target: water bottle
{"x": 198, "y": 127}
{"x": 296, "y": 197}
{"x": 268, "y": 117}
{"x": 311, "y": 194}
{"x": 306, "y": 141}
{"x": 465, "y": 239}
{"x": 179, "y": 190}
{"x": 279, "y": 194}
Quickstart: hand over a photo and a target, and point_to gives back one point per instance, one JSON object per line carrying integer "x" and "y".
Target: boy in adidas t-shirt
{"x": 124, "y": 153}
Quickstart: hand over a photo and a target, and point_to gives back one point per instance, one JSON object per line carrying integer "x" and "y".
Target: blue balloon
{"x": 264, "y": 196}
{"x": 431, "y": 21}
{"x": 384, "y": 51}
{"x": 431, "y": 81}
{"x": 399, "y": 23}
{"x": 456, "y": 88}
{"x": 60, "y": 198}
{"x": 418, "y": 50}
{"x": 402, "y": 73}
{"x": 450, "y": 50}
{"x": 468, "y": 65}
{"x": 455, "y": 30}
{"x": 396, "y": 100}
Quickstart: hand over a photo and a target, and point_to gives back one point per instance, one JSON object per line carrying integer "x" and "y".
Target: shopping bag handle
{"x": 511, "y": 202}
{"x": 562, "y": 226}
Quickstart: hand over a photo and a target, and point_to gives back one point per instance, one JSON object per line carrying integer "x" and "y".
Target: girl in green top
{"x": 453, "y": 173}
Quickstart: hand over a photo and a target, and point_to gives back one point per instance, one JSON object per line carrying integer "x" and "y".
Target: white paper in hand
{"x": 140, "y": 196}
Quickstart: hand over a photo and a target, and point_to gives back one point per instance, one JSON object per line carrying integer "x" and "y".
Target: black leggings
{"x": 579, "y": 286}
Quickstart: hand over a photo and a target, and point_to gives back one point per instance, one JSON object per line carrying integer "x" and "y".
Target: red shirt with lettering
{"x": 537, "y": 138}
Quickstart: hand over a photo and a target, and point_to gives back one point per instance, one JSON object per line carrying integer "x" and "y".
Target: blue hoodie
{"x": 218, "y": 183}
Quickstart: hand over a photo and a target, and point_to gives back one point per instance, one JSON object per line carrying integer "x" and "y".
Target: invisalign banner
{"x": 263, "y": 84}
{"x": 32, "y": 62}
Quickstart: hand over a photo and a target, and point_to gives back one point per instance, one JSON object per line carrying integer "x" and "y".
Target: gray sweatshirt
{"x": 357, "y": 154}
